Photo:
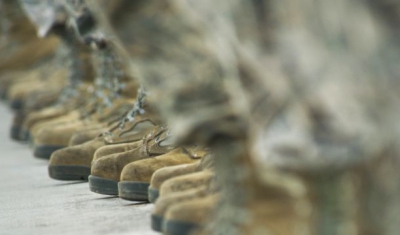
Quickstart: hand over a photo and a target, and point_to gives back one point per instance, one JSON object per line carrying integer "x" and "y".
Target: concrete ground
{"x": 32, "y": 203}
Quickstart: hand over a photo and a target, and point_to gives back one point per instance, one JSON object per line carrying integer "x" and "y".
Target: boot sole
{"x": 133, "y": 191}
{"x": 157, "y": 222}
{"x": 153, "y": 194}
{"x": 103, "y": 186}
{"x": 178, "y": 227}
{"x": 31, "y": 142}
{"x": 24, "y": 135}
{"x": 69, "y": 172}
{"x": 3, "y": 94}
{"x": 15, "y": 133}
{"x": 45, "y": 151}
{"x": 16, "y": 104}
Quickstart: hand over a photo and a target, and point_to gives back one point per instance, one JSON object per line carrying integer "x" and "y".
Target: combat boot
{"x": 34, "y": 102}
{"x": 19, "y": 88}
{"x": 183, "y": 218}
{"x": 19, "y": 92}
{"x": 106, "y": 171}
{"x": 135, "y": 177}
{"x": 42, "y": 99}
{"x": 74, "y": 163}
{"x": 113, "y": 149}
{"x": 165, "y": 173}
{"x": 24, "y": 60}
{"x": 279, "y": 205}
{"x": 7, "y": 79}
{"x": 66, "y": 109}
{"x": 21, "y": 63}
{"x": 47, "y": 117}
{"x": 65, "y": 163}
{"x": 107, "y": 107}
{"x": 83, "y": 136}
{"x": 186, "y": 182}
{"x": 75, "y": 104}
{"x": 53, "y": 137}
{"x": 167, "y": 201}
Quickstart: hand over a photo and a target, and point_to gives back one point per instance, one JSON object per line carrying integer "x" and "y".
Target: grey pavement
{"x": 32, "y": 203}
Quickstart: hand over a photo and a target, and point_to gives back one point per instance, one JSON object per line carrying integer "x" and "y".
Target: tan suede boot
{"x": 65, "y": 164}
{"x": 74, "y": 163}
{"x": 90, "y": 133}
{"x": 83, "y": 136}
{"x": 200, "y": 190}
{"x": 41, "y": 120}
{"x": 16, "y": 66}
{"x": 106, "y": 171}
{"x": 135, "y": 177}
{"x": 61, "y": 112}
{"x": 51, "y": 138}
{"x": 25, "y": 58}
{"x": 48, "y": 139}
{"x": 113, "y": 149}
{"x": 21, "y": 89}
{"x": 69, "y": 110}
{"x": 165, "y": 173}
{"x": 46, "y": 114}
{"x": 186, "y": 182}
{"x": 279, "y": 204}
{"x": 7, "y": 79}
{"x": 185, "y": 217}
{"x": 72, "y": 114}
{"x": 19, "y": 92}
{"x": 42, "y": 99}
{"x": 166, "y": 202}
{"x": 34, "y": 53}
{"x": 34, "y": 102}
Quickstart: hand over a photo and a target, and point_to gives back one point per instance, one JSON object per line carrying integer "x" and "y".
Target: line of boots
{"x": 231, "y": 117}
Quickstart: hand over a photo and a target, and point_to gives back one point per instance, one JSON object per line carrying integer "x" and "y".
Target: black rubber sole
{"x": 103, "y": 186}
{"x": 3, "y": 94}
{"x": 16, "y": 104}
{"x": 31, "y": 142}
{"x": 44, "y": 152}
{"x": 178, "y": 227}
{"x": 153, "y": 194}
{"x": 157, "y": 222}
{"x": 59, "y": 172}
{"x": 24, "y": 135}
{"x": 15, "y": 133}
{"x": 133, "y": 191}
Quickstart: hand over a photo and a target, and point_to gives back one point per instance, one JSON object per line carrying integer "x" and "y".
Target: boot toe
{"x": 106, "y": 167}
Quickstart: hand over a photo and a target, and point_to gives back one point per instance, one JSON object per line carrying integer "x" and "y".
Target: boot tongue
{"x": 104, "y": 77}
{"x": 158, "y": 141}
{"x": 138, "y": 109}
{"x": 109, "y": 72}
{"x": 130, "y": 116}
{"x": 70, "y": 55}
